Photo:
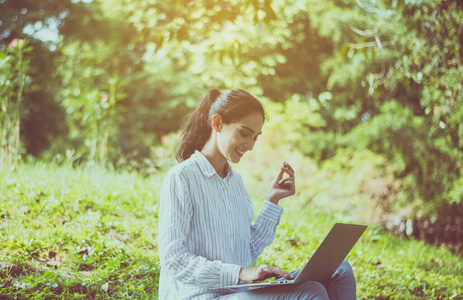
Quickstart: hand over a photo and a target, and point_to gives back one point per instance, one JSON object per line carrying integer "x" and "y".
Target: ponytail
{"x": 197, "y": 129}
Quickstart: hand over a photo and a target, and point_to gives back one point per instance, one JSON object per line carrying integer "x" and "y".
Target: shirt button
{"x": 229, "y": 212}
{"x": 224, "y": 188}
{"x": 232, "y": 235}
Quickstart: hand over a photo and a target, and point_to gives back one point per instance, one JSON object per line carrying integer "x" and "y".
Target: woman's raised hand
{"x": 262, "y": 272}
{"x": 282, "y": 187}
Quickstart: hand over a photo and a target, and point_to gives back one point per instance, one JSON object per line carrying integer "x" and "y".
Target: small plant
{"x": 106, "y": 113}
{"x": 14, "y": 65}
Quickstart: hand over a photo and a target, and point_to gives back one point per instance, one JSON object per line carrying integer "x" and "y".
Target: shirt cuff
{"x": 230, "y": 274}
{"x": 271, "y": 211}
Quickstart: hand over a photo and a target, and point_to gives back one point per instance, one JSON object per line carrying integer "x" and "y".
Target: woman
{"x": 206, "y": 239}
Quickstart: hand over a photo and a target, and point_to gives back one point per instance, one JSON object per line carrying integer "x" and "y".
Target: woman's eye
{"x": 244, "y": 134}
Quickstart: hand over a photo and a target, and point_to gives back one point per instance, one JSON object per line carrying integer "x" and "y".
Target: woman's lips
{"x": 240, "y": 152}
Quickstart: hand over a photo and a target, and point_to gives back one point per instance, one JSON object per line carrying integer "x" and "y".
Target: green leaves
{"x": 396, "y": 89}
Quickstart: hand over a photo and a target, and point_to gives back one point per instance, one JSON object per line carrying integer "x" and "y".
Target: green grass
{"x": 101, "y": 225}
{"x": 91, "y": 234}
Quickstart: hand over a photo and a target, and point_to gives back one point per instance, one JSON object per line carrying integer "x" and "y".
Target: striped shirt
{"x": 205, "y": 230}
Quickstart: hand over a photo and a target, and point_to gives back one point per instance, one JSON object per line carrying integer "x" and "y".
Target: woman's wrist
{"x": 244, "y": 274}
{"x": 272, "y": 199}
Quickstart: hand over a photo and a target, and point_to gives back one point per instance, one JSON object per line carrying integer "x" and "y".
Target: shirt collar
{"x": 205, "y": 166}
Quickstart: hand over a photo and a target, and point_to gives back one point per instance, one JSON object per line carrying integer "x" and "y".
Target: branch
{"x": 378, "y": 42}
{"x": 363, "y": 45}
{"x": 380, "y": 74}
{"x": 370, "y": 10}
{"x": 371, "y": 45}
{"x": 386, "y": 78}
{"x": 369, "y": 32}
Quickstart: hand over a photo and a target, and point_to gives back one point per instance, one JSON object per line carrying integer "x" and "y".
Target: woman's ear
{"x": 216, "y": 122}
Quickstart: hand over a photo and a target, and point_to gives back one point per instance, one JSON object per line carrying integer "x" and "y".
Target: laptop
{"x": 326, "y": 259}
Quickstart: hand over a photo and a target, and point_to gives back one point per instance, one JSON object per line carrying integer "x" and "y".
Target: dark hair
{"x": 231, "y": 105}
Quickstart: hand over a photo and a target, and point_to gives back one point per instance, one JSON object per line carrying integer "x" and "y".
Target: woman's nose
{"x": 250, "y": 144}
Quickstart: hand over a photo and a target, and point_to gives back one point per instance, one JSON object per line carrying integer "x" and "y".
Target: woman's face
{"x": 234, "y": 139}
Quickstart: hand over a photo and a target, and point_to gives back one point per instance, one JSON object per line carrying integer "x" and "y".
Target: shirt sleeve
{"x": 264, "y": 229}
{"x": 175, "y": 215}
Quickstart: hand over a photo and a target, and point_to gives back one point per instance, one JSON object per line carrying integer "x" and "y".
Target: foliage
{"x": 90, "y": 101}
{"x": 396, "y": 90}
{"x": 168, "y": 55}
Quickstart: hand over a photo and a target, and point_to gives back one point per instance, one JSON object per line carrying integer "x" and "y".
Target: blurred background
{"x": 365, "y": 96}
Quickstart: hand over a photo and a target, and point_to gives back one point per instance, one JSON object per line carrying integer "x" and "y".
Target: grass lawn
{"x": 91, "y": 234}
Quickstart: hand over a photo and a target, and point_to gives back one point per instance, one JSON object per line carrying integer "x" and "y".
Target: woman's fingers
{"x": 262, "y": 272}
{"x": 288, "y": 183}
{"x": 280, "y": 174}
{"x": 276, "y": 272}
{"x": 285, "y": 168}
{"x": 288, "y": 169}
{"x": 281, "y": 186}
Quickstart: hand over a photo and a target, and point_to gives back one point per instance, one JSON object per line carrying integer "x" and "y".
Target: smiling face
{"x": 234, "y": 139}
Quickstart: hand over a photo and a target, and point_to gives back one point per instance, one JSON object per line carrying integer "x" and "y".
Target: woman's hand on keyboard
{"x": 262, "y": 272}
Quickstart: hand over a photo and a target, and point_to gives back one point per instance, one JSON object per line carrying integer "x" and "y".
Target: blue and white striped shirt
{"x": 205, "y": 230}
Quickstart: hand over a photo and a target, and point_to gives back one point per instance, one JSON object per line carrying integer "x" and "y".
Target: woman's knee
{"x": 345, "y": 269}
{"x": 316, "y": 290}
